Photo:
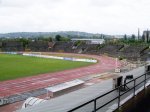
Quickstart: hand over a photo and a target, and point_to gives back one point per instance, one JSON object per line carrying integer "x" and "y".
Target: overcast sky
{"x": 96, "y": 16}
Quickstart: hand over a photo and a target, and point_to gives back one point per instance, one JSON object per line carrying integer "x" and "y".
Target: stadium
{"x": 74, "y": 56}
{"x": 27, "y": 74}
{"x": 44, "y": 72}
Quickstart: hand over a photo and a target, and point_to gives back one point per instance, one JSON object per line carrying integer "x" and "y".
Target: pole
{"x": 116, "y": 64}
{"x": 119, "y": 98}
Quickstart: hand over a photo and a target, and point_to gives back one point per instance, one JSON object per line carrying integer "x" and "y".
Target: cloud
{"x": 98, "y": 16}
{"x": 102, "y": 3}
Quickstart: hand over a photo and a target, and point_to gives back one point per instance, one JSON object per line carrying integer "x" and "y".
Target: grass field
{"x": 67, "y": 55}
{"x": 16, "y": 66}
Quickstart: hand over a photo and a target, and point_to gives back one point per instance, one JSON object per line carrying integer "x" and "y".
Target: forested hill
{"x": 71, "y": 34}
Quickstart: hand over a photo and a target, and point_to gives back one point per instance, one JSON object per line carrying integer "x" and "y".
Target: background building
{"x": 146, "y": 36}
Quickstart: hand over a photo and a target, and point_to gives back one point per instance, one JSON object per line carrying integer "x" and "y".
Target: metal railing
{"x": 136, "y": 84}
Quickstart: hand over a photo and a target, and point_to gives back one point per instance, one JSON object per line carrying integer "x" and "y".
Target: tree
{"x": 24, "y": 41}
{"x": 58, "y": 38}
{"x": 125, "y": 37}
{"x": 133, "y": 37}
{"x": 50, "y": 39}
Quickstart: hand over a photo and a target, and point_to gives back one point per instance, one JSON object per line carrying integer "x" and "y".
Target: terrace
{"x": 38, "y": 46}
{"x": 62, "y": 47}
{"x": 100, "y": 97}
{"x": 12, "y": 46}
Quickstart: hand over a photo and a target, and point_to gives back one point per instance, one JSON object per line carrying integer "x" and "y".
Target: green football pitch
{"x": 16, "y": 66}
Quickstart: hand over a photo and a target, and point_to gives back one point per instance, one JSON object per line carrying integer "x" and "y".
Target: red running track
{"x": 21, "y": 85}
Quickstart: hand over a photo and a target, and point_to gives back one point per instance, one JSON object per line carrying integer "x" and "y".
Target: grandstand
{"x": 63, "y": 47}
{"x": 51, "y": 45}
{"x": 0, "y": 46}
{"x": 38, "y": 46}
{"x": 12, "y": 46}
{"x": 112, "y": 50}
{"x": 145, "y": 54}
{"x": 81, "y": 48}
{"x": 92, "y": 49}
{"x": 133, "y": 52}
{"x": 85, "y": 46}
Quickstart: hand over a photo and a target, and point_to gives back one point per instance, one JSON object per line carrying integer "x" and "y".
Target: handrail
{"x": 81, "y": 105}
{"x": 118, "y": 96}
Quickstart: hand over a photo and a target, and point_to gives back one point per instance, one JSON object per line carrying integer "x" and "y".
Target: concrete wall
{"x": 135, "y": 101}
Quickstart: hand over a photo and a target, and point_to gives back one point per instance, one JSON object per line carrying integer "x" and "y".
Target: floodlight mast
{"x": 138, "y": 33}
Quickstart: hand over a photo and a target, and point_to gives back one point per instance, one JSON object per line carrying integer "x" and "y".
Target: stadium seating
{"x": 112, "y": 50}
{"x": 0, "y": 44}
{"x": 51, "y": 45}
{"x": 38, "y": 46}
{"x": 12, "y": 46}
{"x": 63, "y": 47}
{"x": 81, "y": 48}
{"x": 92, "y": 48}
{"x": 133, "y": 52}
